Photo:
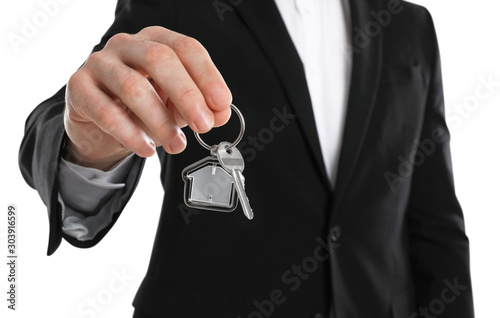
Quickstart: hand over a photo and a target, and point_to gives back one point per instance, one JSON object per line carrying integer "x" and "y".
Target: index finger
{"x": 198, "y": 64}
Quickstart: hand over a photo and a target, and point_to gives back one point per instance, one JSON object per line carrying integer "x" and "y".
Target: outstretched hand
{"x": 137, "y": 92}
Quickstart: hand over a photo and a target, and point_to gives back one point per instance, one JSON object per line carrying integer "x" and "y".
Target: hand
{"x": 136, "y": 94}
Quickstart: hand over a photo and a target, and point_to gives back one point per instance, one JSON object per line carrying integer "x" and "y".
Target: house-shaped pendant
{"x": 208, "y": 186}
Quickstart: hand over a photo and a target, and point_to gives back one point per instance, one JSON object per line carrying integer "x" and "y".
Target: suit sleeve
{"x": 44, "y": 134}
{"x": 439, "y": 246}
{"x": 39, "y": 159}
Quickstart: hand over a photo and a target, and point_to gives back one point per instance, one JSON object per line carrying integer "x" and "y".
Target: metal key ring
{"x": 236, "y": 142}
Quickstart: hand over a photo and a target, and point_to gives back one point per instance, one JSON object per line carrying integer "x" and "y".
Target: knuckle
{"x": 95, "y": 58}
{"x": 151, "y": 30}
{"x": 74, "y": 81}
{"x": 118, "y": 39}
{"x": 77, "y": 90}
{"x": 187, "y": 45}
{"x": 158, "y": 53}
{"x": 187, "y": 96}
{"x": 135, "y": 87}
{"x": 105, "y": 118}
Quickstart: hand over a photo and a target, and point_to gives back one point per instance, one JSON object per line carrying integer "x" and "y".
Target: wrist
{"x": 72, "y": 153}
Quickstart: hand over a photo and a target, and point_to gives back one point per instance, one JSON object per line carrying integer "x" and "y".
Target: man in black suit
{"x": 380, "y": 234}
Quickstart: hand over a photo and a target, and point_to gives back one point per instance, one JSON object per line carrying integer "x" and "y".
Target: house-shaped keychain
{"x": 208, "y": 186}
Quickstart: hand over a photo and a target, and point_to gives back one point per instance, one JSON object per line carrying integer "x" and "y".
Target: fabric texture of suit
{"x": 389, "y": 240}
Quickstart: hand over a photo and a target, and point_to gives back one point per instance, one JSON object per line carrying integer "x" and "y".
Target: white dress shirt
{"x": 319, "y": 31}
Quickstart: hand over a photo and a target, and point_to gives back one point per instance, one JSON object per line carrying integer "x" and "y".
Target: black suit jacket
{"x": 389, "y": 241}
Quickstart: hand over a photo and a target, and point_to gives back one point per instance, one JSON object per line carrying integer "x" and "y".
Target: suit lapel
{"x": 365, "y": 78}
{"x": 263, "y": 19}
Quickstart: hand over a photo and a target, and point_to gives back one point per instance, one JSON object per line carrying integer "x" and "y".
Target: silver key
{"x": 232, "y": 161}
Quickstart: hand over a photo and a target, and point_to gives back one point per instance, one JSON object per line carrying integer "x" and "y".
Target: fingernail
{"x": 205, "y": 121}
{"x": 178, "y": 144}
{"x": 220, "y": 97}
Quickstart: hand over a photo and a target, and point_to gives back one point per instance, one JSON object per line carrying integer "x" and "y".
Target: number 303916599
{"x": 11, "y": 232}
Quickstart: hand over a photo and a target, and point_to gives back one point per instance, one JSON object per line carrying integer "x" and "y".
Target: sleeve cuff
{"x": 81, "y": 193}
{"x": 83, "y": 188}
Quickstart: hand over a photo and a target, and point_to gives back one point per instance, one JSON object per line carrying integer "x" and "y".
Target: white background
{"x": 60, "y": 284}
